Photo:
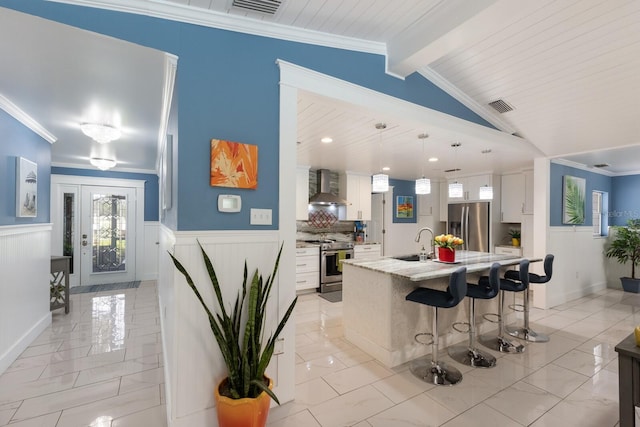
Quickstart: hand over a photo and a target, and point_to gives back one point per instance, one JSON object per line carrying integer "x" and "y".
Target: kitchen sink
{"x": 414, "y": 257}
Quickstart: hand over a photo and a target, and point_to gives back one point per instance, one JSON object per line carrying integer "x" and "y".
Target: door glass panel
{"x": 68, "y": 215}
{"x": 109, "y": 227}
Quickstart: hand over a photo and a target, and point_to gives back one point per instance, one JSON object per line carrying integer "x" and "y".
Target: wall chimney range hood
{"x": 324, "y": 197}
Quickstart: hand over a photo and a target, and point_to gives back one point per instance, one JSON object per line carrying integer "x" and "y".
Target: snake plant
{"x": 241, "y": 343}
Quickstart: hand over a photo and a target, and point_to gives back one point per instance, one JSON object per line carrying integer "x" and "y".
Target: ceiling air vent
{"x": 601, "y": 165}
{"x": 452, "y": 170}
{"x": 266, "y": 7}
{"x": 501, "y": 106}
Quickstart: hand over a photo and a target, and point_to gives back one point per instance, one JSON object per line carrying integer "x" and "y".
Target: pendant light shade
{"x": 100, "y": 132}
{"x": 380, "y": 183}
{"x": 486, "y": 193}
{"x": 423, "y": 186}
{"x": 102, "y": 164}
{"x": 455, "y": 190}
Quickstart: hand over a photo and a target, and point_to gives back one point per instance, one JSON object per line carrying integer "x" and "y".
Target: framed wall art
{"x": 26, "y": 188}
{"x": 233, "y": 164}
{"x": 573, "y": 200}
{"x": 404, "y": 206}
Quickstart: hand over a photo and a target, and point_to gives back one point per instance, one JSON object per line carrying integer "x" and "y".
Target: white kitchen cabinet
{"x": 429, "y": 204}
{"x": 470, "y": 187}
{"x": 367, "y": 251}
{"x": 512, "y": 197}
{"x": 307, "y": 268}
{"x": 444, "y": 201}
{"x": 528, "y": 192}
{"x": 356, "y": 189}
{"x": 302, "y": 193}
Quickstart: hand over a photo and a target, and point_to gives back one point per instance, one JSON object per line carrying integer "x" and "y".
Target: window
{"x": 597, "y": 207}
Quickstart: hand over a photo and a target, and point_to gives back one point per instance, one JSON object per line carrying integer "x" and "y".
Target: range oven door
{"x": 330, "y": 270}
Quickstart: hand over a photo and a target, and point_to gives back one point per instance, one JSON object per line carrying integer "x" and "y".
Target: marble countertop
{"x": 416, "y": 271}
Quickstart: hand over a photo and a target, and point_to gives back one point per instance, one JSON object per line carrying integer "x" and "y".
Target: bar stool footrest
{"x": 416, "y": 337}
{"x": 457, "y": 325}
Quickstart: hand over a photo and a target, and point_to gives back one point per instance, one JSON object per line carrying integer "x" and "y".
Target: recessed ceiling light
{"x": 433, "y": 159}
{"x": 386, "y": 168}
{"x": 326, "y": 140}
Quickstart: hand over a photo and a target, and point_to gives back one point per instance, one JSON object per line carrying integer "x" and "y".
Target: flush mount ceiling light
{"x": 455, "y": 188}
{"x": 380, "y": 181}
{"x": 100, "y": 132}
{"x": 326, "y": 140}
{"x": 433, "y": 159}
{"x": 102, "y": 164}
{"x": 423, "y": 185}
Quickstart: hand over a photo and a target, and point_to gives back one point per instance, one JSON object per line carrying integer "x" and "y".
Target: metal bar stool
{"x": 488, "y": 287}
{"x": 431, "y": 370}
{"x": 526, "y": 333}
{"x": 500, "y": 342}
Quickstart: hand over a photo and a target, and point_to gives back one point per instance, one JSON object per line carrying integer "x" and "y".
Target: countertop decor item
{"x": 626, "y": 247}
{"x": 515, "y": 236}
{"x": 447, "y": 244}
{"x": 239, "y": 334}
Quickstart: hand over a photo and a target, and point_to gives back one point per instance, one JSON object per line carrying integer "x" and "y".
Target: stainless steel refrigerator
{"x": 471, "y": 222}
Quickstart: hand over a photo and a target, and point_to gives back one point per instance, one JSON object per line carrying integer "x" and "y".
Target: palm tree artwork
{"x": 573, "y": 200}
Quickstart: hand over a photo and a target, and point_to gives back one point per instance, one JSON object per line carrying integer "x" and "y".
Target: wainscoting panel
{"x": 193, "y": 364}
{"x": 25, "y": 257}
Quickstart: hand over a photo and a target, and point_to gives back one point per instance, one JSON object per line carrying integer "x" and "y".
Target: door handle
{"x": 84, "y": 243}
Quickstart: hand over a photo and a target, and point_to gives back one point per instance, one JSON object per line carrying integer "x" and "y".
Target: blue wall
{"x": 229, "y": 90}
{"x": 594, "y": 181}
{"x": 625, "y": 201}
{"x": 404, "y": 188}
{"x": 19, "y": 141}
{"x": 150, "y": 185}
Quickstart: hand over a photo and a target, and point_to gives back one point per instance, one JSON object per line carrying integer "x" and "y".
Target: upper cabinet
{"x": 429, "y": 204}
{"x": 470, "y": 187}
{"x": 302, "y": 193}
{"x": 528, "y": 192}
{"x": 356, "y": 189}
{"x": 512, "y": 197}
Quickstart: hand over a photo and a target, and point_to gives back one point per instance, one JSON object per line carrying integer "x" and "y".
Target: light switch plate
{"x": 260, "y": 216}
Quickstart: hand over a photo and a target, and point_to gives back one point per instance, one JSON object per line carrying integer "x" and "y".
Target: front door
{"x": 107, "y": 235}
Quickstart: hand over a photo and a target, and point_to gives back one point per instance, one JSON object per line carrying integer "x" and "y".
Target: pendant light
{"x": 380, "y": 181}
{"x": 486, "y": 191}
{"x": 455, "y": 188}
{"x": 423, "y": 185}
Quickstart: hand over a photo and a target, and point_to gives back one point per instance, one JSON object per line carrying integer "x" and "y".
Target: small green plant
{"x": 244, "y": 353}
{"x": 514, "y": 233}
{"x": 626, "y": 245}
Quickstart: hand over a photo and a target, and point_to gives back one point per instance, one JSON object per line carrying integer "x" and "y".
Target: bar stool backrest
{"x": 494, "y": 279}
{"x": 548, "y": 267}
{"x": 458, "y": 284}
{"x": 524, "y": 272}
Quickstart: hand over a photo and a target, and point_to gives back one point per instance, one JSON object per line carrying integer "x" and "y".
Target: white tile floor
{"x": 570, "y": 381}
{"x": 101, "y": 365}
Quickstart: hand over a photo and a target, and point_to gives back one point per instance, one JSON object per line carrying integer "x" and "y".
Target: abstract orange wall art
{"x": 234, "y": 164}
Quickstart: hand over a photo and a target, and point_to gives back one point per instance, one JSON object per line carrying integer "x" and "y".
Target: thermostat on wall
{"x": 229, "y": 203}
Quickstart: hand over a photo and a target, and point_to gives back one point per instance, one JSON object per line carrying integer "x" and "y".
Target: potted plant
{"x": 447, "y": 244}
{"x": 626, "y": 247}
{"x": 243, "y": 397}
{"x": 514, "y": 233}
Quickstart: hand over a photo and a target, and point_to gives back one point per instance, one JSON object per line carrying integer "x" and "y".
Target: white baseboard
{"x": 16, "y": 349}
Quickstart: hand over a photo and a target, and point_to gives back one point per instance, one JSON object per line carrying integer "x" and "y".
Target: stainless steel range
{"x": 331, "y": 252}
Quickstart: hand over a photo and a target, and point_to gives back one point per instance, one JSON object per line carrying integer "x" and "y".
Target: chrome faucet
{"x": 433, "y": 247}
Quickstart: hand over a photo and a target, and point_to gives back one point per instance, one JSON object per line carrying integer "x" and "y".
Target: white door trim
{"x": 57, "y": 181}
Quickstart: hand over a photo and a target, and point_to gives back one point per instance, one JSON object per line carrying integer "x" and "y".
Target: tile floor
{"x": 101, "y": 365}
{"x": 570, "y": 381}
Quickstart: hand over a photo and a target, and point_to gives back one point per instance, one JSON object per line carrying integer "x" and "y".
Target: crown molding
{"x": 209, "y": 18}
{"x": 18, "y": 114}
{"x": 465, "y": 99}
{"x": 114, "y": 169}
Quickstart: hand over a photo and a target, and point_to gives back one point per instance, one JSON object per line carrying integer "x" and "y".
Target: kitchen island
{"x": 379, "y": 320}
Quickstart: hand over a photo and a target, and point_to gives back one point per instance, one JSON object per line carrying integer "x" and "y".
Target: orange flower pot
{"x": 246, "y": 412}
{"x": 446, "y": 254}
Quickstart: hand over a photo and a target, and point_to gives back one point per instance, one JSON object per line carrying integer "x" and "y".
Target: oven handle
{"x": 335, "y": 252}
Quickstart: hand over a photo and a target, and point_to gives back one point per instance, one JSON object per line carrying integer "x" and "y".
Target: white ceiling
{"x": 568, "y": 68}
